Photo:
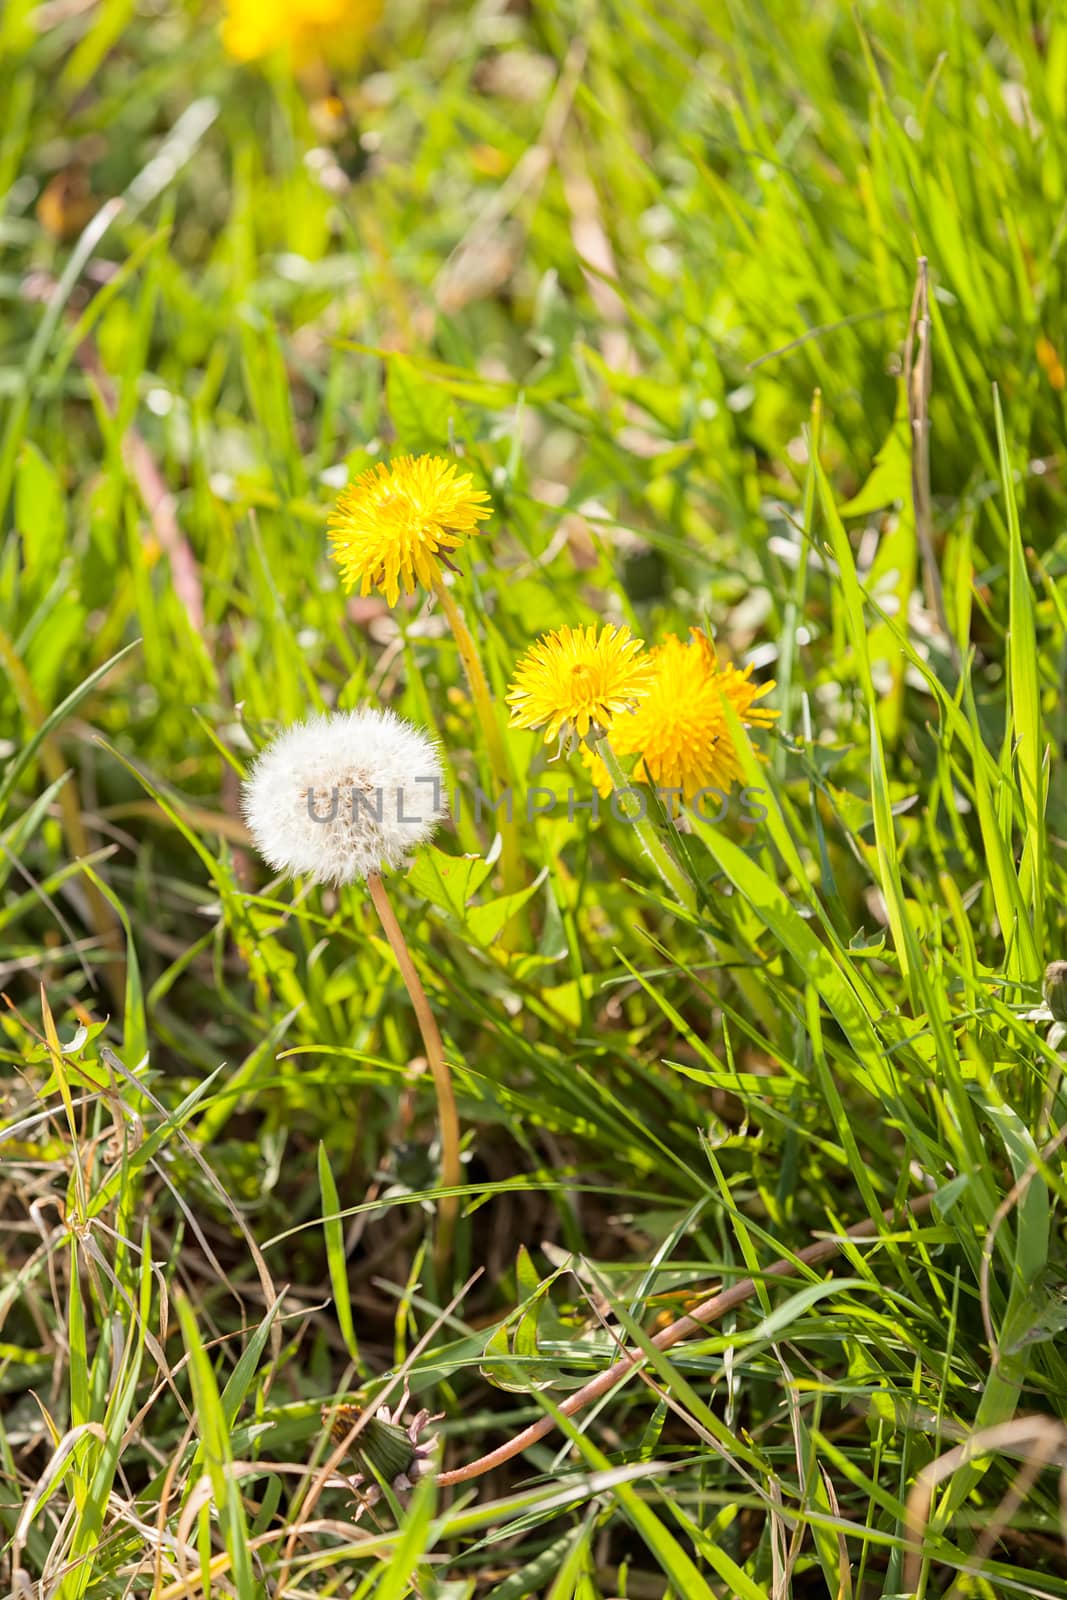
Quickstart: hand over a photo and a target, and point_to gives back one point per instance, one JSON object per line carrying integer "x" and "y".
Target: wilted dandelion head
{"x": 341, "y": 796}
{"x": 307, "y": 30}
{"x": 385, "y": 1447}
{"x": 679, "y": 730}
{"x": 389, "y": 526}
{"x": 576, "y": 681}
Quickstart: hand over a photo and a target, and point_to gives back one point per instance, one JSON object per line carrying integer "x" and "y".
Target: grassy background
{"x": 649, "y": 270}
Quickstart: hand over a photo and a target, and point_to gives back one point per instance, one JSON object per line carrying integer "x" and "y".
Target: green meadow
{"x": 739, "y": 1271}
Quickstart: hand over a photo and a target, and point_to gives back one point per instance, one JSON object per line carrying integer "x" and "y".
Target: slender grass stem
{"x": 447, "y": 1116}
{"x": 679, "y": 885}
{"x": 104, "y": 921}
{"x": 651, "y": 843}
{"x": 485, "y": 710}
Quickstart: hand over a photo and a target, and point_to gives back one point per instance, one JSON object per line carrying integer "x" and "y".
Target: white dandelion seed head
{"x": 344, "y": 795}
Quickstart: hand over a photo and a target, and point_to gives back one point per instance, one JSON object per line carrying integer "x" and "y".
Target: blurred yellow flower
{"x": 679, "y": 731}
{"x": 308, "y": 30}
{"x": 389, "y": 526}
{"x": 576, "y": 682}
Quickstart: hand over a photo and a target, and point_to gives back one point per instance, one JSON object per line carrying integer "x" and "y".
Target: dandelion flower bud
{"x": 341, "y": 796}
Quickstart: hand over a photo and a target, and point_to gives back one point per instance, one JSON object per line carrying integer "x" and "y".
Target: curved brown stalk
{"x": 696, "y": 1321}
{"x": 447, "y": 1116}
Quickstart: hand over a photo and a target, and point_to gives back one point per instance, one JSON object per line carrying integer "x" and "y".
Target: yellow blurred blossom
{"x": 305, "y": 30}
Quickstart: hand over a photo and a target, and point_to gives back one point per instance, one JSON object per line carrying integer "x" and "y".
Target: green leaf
{"x": 420, "y": 408}
{"x": 40, "y": 516}
{"x": 447, "y": 881}
{"x": 1027, "y": 735}
{"x": 333, "y": 1230}
{"x": 890, "y": 479}
{"x": 215, "y": 1444}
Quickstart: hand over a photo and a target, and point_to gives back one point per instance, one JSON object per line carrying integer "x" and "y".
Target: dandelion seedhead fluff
{"x": 342, "y": 796}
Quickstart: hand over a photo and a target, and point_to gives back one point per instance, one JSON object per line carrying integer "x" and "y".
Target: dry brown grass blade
{"x": 1042, "y": 1442}
{"x": 918, "y": 375}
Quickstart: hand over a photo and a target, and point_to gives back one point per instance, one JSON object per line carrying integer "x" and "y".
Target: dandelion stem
{"x": 651, "y": 843}
{"x": 510, "y": 855}
{"x": 673, "y": 877}
{"x": 447, "y": 1116}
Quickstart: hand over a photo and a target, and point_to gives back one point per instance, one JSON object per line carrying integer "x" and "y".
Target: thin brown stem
{"x": 695, "y": 1322}
{"x": 447, "y": 1116}
{"x": 918, "y": 376}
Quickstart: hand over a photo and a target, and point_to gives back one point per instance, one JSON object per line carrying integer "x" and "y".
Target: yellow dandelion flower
{"x": 307, "y": 30}
{"x": 576, "y": 682}
{"x": 679, "y": 731}
{"x": 389, "y": 526}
